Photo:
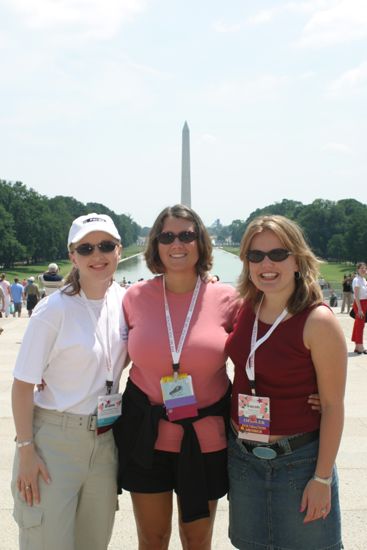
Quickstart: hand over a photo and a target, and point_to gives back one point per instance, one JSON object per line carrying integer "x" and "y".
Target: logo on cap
{"x": 94, "y": 220}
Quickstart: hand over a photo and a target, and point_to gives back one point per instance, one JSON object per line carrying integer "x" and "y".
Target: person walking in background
{"x": 16, "y": 291}
{"x": 5, "y": 285}
{"x": 2, "y": 305}
{"x": 172, "y": 432}
{"x": 359, "y": 307}
{"x": 51, "y": 280}
{"x": 32, "y": 295}
{"x": 65, "y": 466}
{"x": 286, "y": 344}
{"x": 347, "y": 293}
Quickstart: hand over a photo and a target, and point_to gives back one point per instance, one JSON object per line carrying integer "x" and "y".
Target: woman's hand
{"x": 316, "y": 500}
{"x": 30, "y": 467}
{"x": 314, "y": 401}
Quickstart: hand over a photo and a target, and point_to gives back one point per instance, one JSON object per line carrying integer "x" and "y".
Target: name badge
{"x": 108, "y": 409}
{"x": 254, "y": 417}
{"x": 178, "y": 396}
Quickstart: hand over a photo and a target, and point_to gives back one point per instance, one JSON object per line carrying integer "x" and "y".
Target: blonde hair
{"x": 72, "y": 279}
{"x": 307, "y": 290}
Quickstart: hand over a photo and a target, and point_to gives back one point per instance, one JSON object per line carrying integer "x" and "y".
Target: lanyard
{"x": 176, "y": 353}
{"x": 250, "y": 363}
{"x": 104, "y": 340}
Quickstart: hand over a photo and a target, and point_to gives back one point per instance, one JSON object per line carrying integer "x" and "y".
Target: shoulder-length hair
{"x": 205, "y": 249}
{"x": 307, "y": 290}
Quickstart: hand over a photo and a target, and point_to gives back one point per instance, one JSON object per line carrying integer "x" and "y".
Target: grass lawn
{"x": 25, "y": 271}
{"x": 332, "y": 272}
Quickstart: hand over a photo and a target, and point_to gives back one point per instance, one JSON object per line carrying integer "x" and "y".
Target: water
{"x": 227, "y": 266}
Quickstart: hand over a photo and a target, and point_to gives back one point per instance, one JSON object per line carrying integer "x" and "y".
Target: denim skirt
{"x": 265, "y": 499}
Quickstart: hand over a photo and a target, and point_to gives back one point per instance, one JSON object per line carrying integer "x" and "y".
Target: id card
{"x": 178, "y": 396}
{"x": 254, "y": 417}
{"x": 109, "y": 409}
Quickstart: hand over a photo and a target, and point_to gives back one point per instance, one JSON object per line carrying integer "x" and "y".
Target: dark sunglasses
{"x": 275, "y": 255}
{"x": 86, "y": 249}
{"x": 167, "y": 237}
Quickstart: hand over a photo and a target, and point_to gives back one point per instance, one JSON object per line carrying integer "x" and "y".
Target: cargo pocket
{"x": 29, "y": 521}
{"x": 28, "y": 516}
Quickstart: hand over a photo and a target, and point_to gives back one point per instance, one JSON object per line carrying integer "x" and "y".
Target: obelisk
{"x": 185, "y": 167}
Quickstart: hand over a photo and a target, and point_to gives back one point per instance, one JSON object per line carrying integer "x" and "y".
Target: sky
{"x": 94, "y": 95}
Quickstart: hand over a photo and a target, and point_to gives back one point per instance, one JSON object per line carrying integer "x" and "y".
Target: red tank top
{"x": 283, "y": 371}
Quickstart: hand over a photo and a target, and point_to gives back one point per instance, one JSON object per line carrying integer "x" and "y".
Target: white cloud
{"x": 92, "y": 18}
{"x": 335, "y": 21}
{"x": 352, "y": 82}
{"x": 221, "y": 27}
{"x": 209, "y": 138}
{"x": 261, "y": 17}
{"x": 307, "y": 75}
{"x": 337, "y": 148}
{"x": 264, "y": 87}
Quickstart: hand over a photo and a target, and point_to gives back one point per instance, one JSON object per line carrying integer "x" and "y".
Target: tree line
{"x": 34, "y": 227}
{"x": 335, "y": 230}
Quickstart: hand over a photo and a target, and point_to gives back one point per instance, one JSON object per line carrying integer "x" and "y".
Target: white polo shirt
{"x": 62, "y": 347}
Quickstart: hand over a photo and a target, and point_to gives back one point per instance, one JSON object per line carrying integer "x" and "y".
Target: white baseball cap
{"x": 53, "y": 267}
{"x": 89, "y": 223}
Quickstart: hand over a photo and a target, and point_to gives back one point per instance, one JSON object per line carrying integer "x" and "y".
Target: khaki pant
{"x": 77, "y": 508}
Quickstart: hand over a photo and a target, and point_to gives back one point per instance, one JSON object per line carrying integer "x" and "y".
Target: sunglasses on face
{"x": 86, "y": 249}
{"x": 167, "y": 237}
{"x": 275, "y": 255}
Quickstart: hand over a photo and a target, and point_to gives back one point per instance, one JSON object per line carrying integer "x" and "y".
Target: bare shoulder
{"x": 322, "y": 325}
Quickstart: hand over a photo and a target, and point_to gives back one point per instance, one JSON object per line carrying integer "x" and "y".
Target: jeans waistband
{"x": 284, "y": 446}
{"x": 69, "y": 420}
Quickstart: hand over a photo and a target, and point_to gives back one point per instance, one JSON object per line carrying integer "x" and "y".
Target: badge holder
{"x": 254, "y": 417}
{"x": 179, "y": 397}
{"x": 108, "y": 409}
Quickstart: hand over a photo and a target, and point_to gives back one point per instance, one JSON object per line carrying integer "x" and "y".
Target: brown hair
{"x": 307, "y": 291}
{"x": 205, "y": 249}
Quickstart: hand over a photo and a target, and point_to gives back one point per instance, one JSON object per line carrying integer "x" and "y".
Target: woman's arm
{"x": 358, "y": 302}
{"x": 325, "y": 339}
{"x": 30, "y": 464}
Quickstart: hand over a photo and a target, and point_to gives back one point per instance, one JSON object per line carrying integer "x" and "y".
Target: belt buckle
{"x": 92, "y": 423}
{"x": 264, "y": 452}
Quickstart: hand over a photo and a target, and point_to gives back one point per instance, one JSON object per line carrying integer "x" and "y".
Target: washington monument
{"x": 185, "y": 167}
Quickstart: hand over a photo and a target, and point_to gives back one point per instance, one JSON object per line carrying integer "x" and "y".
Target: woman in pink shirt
{"x": 172, "y": 433}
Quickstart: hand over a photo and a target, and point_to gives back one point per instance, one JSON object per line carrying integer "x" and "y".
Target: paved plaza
{"x": 352, "y": 458}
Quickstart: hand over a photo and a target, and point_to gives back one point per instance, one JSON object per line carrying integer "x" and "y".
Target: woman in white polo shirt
{"x": 359, "y": 307}
{"x": 64, "y": 476}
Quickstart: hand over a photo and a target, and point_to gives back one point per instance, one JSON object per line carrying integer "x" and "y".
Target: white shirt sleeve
{"x": 39, "y": 340}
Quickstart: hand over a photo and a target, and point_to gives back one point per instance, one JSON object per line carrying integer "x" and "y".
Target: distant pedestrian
{"x": 333, "y": 299}
{"x": 32, "y": 294}
{"x": 5, "y": 285}
{"x": 347, "y": 293}
{"x": 51, "y": 279}
{"x": 322, "y": 283}
{"x": 16, "y": 291}
{"x": 360, "y": 307}
{"x": 2, "y": 302}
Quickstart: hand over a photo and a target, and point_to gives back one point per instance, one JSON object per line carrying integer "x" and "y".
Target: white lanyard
{"x": 176, "y": 353}
{"x": 250, "y": 363}
{"x": 105, "y": 341}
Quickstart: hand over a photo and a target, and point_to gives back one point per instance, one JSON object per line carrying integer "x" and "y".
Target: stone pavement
{"x": 352, "y": 458}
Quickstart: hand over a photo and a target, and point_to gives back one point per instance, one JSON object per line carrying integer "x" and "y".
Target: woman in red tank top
{"x": 285, "y": 345}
